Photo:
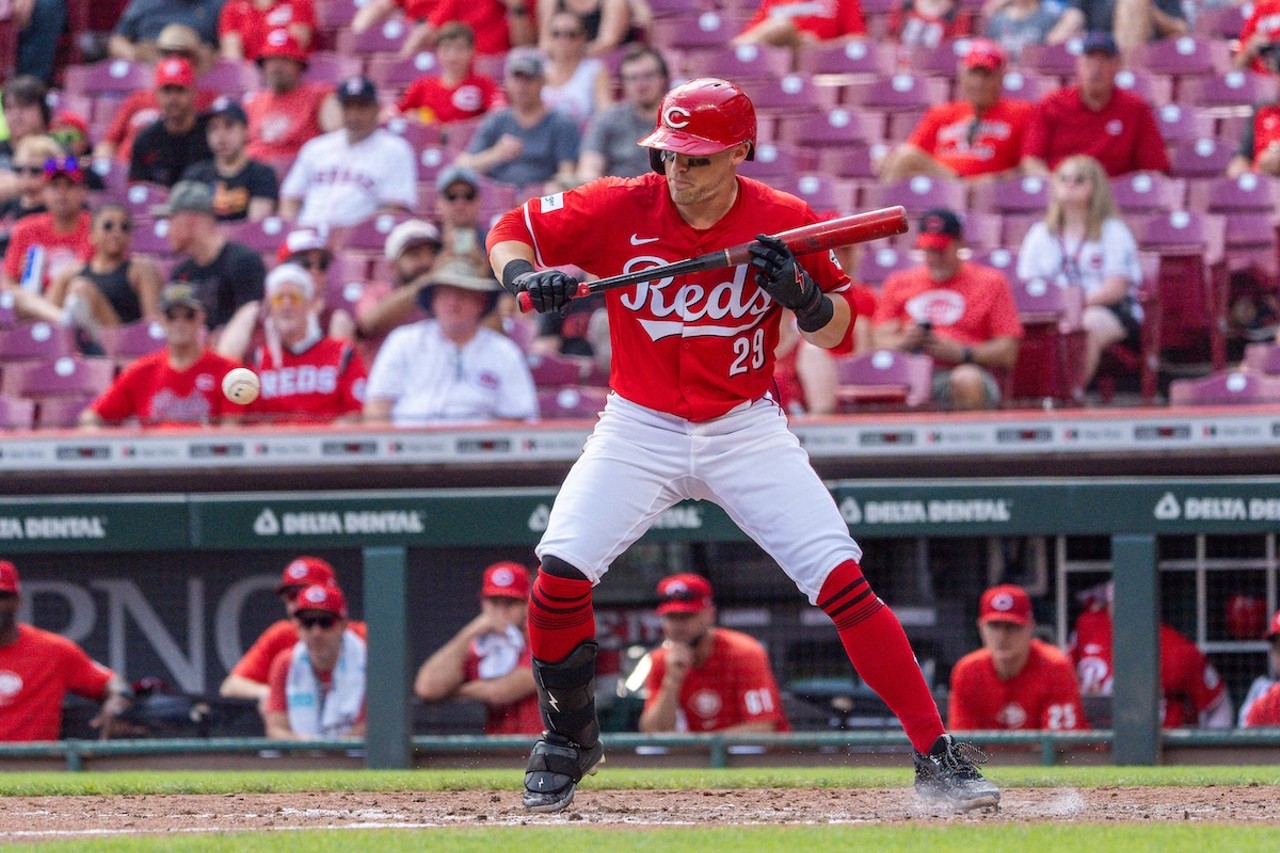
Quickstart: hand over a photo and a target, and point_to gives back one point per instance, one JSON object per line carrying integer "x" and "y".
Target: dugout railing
{"x": 385, "y": 524}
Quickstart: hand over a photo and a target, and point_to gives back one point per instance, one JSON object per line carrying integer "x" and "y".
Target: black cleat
{"x": 555, "y": 768}
{"x": 949, "y": 774}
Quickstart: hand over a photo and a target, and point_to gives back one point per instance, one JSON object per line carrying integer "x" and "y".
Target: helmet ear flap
{"x": 655, "y": 161}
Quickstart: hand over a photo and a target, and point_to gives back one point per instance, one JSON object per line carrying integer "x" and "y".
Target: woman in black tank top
{"x": 111, "y": 289}
{"x": 609, "y": 23}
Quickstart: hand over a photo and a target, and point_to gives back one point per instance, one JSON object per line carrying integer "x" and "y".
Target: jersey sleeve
{"x": 276, "y": 676}
{"x": 961, "y": 715}
{"x": 255, "y": 665}
{"x": 84, "y": 676}
{"x": 557, "y": 226}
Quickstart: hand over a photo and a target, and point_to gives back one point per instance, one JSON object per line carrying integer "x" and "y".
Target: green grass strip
{"x": 1039, "y": 838}
{"x": 299, "y": 781}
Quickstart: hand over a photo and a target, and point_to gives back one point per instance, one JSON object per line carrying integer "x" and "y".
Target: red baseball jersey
{"x": 156, "y": 394}
{"x": 60, "y": 248}
{"x": 317, "y": 385}
{"x": 279, "y": 125}
{"x": 487, "y": 19}
{"x": 281, "y": 636}
{"x": 1265, "y": 711}
{"x": 733, "y": 686}
{"x": 1044, "y": 695}
{"x": 253, "y": 23}
{"x": 1122, "y": 136}
{"x": 493, "y": 656}
{"x": 1266, "y": 20}
{"x": 957, "y": 137}
{"x": 36, "y": 671}
{"x": 430, "y": 101}
{"x": 975, "y": 306}
{"x": 824, "y": 19}
{"x": 695, "y": 345}
{"x": 913, "y": 28}
{"x": 1189, "y": 684}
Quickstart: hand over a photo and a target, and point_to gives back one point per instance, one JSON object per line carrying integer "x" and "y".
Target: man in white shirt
{"x": 347, "y": 176}
{"x": 450, "y": 369}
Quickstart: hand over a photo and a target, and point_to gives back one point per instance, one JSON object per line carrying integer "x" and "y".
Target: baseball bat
{"x": 817, "y": 237}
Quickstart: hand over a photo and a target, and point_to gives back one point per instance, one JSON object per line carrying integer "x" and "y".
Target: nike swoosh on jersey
{"x": 637, "y": 241}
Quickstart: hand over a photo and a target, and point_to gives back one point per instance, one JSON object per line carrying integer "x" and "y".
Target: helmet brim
{"x": 682, "y": 143}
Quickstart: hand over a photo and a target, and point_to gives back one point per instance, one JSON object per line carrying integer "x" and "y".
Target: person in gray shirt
{"x": 526, "y": 143}
{"x": 1132, "y": 22}
{"x": 609, "y": 143}
{"x": 1014, "y": 24}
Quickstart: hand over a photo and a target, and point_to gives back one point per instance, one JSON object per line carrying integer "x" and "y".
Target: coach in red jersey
{"x": 1094, "y": 117}
{"x": 1014, "y": 681}
{"x": 691, "y": 417}
{"x": 704, "y": 678}
{"x": 978, "y": 135}
{"x": 38, "y": 668}
{"x": 181, "y": 385}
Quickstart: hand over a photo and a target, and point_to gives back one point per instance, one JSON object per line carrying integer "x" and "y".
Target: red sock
{"x": 879, "y": 650}
{"x": 560, "y": 616}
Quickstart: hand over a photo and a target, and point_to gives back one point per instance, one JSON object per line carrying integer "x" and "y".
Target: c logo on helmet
{"x": 676, "y": 117}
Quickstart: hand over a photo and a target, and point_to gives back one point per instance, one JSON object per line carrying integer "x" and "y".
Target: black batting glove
{"x": 549, "y": 290}
{"x": 780, "y": 275}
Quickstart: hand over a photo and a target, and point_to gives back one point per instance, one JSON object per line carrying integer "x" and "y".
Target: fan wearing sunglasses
{"x": 112, "y": 288}
{"x": 29, "y": 157}
{"x": 317, "y": 688}
{"x": 248, "y": 678}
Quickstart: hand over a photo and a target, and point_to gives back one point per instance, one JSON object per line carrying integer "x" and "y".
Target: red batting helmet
{"x": 702, "y": 116}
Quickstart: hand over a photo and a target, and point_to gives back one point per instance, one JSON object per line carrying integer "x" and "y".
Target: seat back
{"x": 866, "y": 377}
{"x": 1230, "y": 387}
{"x": 16, "y": 413}
{"x": 64, "y": 376}
{"x": 131, "y": 340}
{"x": 1200, "y": 158}
{"x": 35, "y": 342}
{"x": 109, "y": 77}
{"x": 395, "y": 72}
{"x": 917, "y": 194}
{"x": 552, "y": 371}
{"x": 745, "y": 64}
{"x": 1051, "y": 355}
{"x": 1029, "y": 195}
{"x": 571, "y": 401}
{"x": 1147, "y": 192}
{"x": 386, "y": 37}
{"x": 877, "y": 264}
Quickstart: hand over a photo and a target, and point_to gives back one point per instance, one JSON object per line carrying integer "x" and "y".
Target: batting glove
{"x": 549, "y": 290}
{"x": 779, "y": 274}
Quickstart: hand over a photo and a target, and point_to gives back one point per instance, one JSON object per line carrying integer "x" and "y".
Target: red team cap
{"x": 505, "y": 580}
{"x": 939, "y": 228}
{"x": 683, "y": 593}
{"x": 984, "y": 53}
{"x": 299, "y": 241}
{"x": 305, "y": 571}
{"x": 1005, "y": 603}
{"x": 702, "y": 116}
{"x": 9, "y": 578}
{"x": 326, "y": 598}
{"x": 1272, "y": 632}
{"x": 175, "y": 71}
{"x": 282, "y": 44}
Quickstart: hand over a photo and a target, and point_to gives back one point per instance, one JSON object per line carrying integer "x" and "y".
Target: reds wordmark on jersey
{"x": 695, "y": 345}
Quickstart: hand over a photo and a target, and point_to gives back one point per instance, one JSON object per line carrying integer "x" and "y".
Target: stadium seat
{"x": 917, "y": 194}
{"x": 1232, "y": 93}
{"x": 883, "y": 378}
{"x": 263, "y": 236}
{"x": 1229, "y": 387}
{"x": 16, "y": 413}
{"x": 61, "y": 412}
{"x": 1155, "y": 89}
{"x": 1192, "y": 286}
{"x": 899, "y": 93}
{"x": 331, "y": 68}
{"x": 822, "y": 192}
{"x": 150, "y": 237}
{"x": 1052, "y": 60}
{"x": 877, "y": 264}
{"x": 35, "y": 342}
{"x": 772, "y": 162}
{"x": 1000, "y": 258}
{"x": 1147, "y": 192}
{"x": 745, "y": 64}
{"x": 386, "y": 37}
{"x": 851, "y": 161}
{"x": 1249, "y": 192}
{"x": 571, "y": 402}
{"x": 1200, "y": 158}
{"x": 1025, "y": 86}
{"x": 939, "y": 61}
{"x": 117, "y": 77}
{"x": 1182, "y": 56}
{"x": 124, "y": 343}
{"x": 1051, "y": 354}
{"x": 790, "y": 95}
{"x": 1029, "y": 195}
{"x": 1221, "y": 22}
{"x": 230, "y": 77}
{"x": 1178, "y": 122}
{"x": 859, "y": 60}
{"x": 63, "y": 376}
{"x": 392, "y": 72}
{"x": 555, "y": 371}
{"x": 371, "y": 234}
{"x": 8, "y": 314}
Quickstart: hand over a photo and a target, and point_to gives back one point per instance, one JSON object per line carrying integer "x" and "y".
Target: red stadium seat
{"x": 1192, "y": 284}
{"x": 1201, "y": 158}
{"x": 35, "y": 342}
{"x": 1262, "y": 358}
{"x": 1179, "y": 122}
{"x": 555, "y": 371}
{"x": 840, "y": 64}
{"x": 331, "y": 68}
{"x": 572, "y": 401}
{"x": 1029, "y": 195}
{"x": 883, "y": 378}
{"x": 879, "y": 263}
{"x": 1120, "y": 362}
{"x": 263, "y": 236}
{"x": 822, "y": 192}
{"x": 392, "y": 72}
{"x": 1052, "y": 60}
{"x": 113, "y": 76}
{"x": 1051, "y": 355}
{"x": 1225, "y": 388}
{"x": 1026, "y": 86}
{"x": 745, "y": 64}
{"x": 61, "y": 412}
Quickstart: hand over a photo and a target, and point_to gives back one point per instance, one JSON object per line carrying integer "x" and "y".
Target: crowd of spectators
{"x": 470, "y": 108}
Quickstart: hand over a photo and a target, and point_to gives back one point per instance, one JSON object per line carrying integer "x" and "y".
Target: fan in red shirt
{"x": 498, "y": 25}
{"x": 457, "y": 92}
{"x": 1094, "y": 117}
{"x": 181, "y": 385}
{"x": 691, "y": 417}
{"x": 488, "y": 660}
{"x": 959, "y": 313}
{"x": 38, "y": 668}
{"x": 980, "y": 134}
{"x": 248, "y": 678}
{"x": 375, "y": 11}
{"x": 1259, "y": 36}
{"x": 1191, "y": 691}
{"x": 42, "y": 244}
{"x": 704, "y": 678}
{"x": 243, "y": 25}
{"x": 306, "y": 377}
{"x": 1260, "y": 144}
{"x": 287, "y": 111}
{"x": 927, "y": 23}
{"x": 792, "y": 22}
{"x": 1014, "y": 681}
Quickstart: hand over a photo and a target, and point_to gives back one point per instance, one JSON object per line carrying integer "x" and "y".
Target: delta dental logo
{"x": 53, "y": 527}
{"x": 967, "y": 511}
{"x": 1170, "y": 508}
{"x": 351, "y": 523}
{"x": 676, "y": 518}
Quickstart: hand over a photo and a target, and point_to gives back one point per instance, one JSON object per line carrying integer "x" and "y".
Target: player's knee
{"x": 557, "y": 567}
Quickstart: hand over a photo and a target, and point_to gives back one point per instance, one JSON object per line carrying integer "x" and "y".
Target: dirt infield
{"x": 34, "y": 818}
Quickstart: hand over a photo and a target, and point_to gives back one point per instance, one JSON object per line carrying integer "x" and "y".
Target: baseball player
{"x": 1014, "y": 681}
{"x": 691, "y": 417}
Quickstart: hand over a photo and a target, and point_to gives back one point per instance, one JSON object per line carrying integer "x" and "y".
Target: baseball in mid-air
{"x": 241, "y": 385}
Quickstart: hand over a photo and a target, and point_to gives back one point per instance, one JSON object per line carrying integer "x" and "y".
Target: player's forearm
{"x": 440, "y": 675}
{"x": 507, "y": 251}
{"x": 834, "y": 332}
{"x": 276, "y": 725}
{"x": 500, "y": 691}
{"x": 661, "y": 715}
{"x": 238, "y": 687}
{"x": 749, "y": 728}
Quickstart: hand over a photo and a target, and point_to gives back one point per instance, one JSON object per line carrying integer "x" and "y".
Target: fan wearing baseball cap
{"x": 40, "y": 668}
{"x": 411, "y": 249}
{"x": 1015, "y": 681}
{"x": 248, "y": 678}
{"x": 703, "y": 678}
{"x": 980, "y": 134}
{"x": 959, "y": 313}
{"x": 179, "y": 138}
{"x": 243, "y": 188}
{"x": 317, "y": 688}
{"x": 488, "y": 660}
{"x": 1261, "y": 705}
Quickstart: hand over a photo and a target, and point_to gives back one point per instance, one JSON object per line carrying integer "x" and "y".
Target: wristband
{"x": 817, "y": 314}
{"x": 512, "y": 271}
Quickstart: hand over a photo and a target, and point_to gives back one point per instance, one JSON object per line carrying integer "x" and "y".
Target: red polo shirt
{"x": 1122, "y": 136}
{"x": 955, "y": 136}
